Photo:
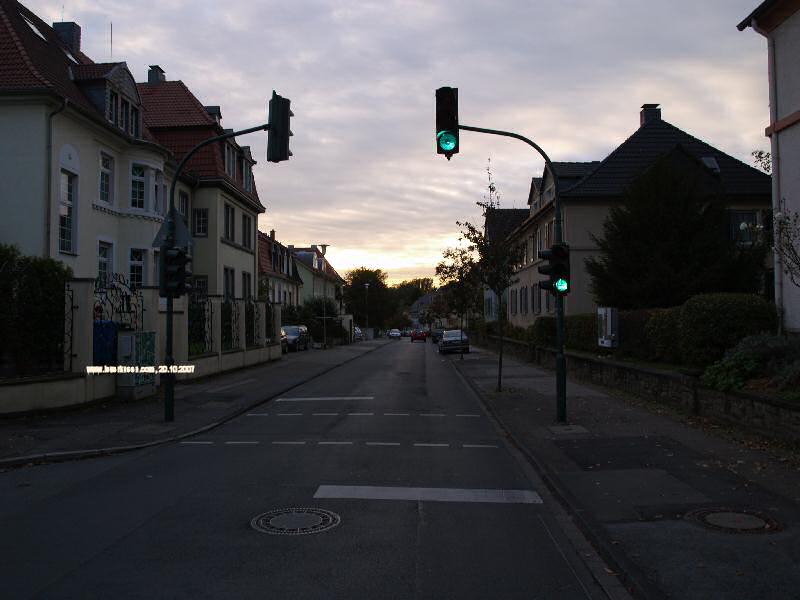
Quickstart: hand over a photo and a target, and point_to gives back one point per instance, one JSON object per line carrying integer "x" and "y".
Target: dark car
{"x": 297, "y": 337}
{"x": 436, "y": 335}
{"x": 418, "y": 334}
{"x": 454, "y": 340}
{"x": 284, "y": 342}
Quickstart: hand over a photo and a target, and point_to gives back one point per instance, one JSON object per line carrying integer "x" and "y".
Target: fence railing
{"x": 230, "y": 325}
{"x": 200, "y": 325}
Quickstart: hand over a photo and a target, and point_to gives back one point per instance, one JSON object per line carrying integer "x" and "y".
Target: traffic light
{"x": 557, "y": 268}
{"x": 447, "y": 121}
{"x": 175, "y": 272}
{"x": 279, "y": 133}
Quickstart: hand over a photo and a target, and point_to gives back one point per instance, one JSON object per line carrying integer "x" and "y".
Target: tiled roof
{"x": 304, "y": 256}
{"x": 265, "y": 259}
{"x": 171, "y": 104}
{"x": 93, "y": 71}
{"x": 569, "y": 170}
{"x": 502, "y": 221}
{"x": 655, "y": 139}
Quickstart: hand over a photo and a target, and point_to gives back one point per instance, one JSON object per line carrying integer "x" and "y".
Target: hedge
{"x": 662, "y": 335}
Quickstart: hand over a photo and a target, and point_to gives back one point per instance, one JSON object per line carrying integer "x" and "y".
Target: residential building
{"x": 82, "y": 178}
{"x": 319, "y": 278}
{"x": 779, "y": 22}
{"x": 221, "y": 207}
{"x": 588, "y": 191}
{"x": 499, "y": 223}
{"x": 279, "y": 278}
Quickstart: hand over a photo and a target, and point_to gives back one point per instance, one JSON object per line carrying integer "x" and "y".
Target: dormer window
{"x": 134, "y": 128}
{"x": 125, "y": 121}
{"x": 247, "y": 176}
{"x": 33, "y": 27}
{"x": 230, "y": 161}
{"x": 113, "y": 108}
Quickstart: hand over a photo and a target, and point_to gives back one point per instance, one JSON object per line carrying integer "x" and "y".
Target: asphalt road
{"x": 431, "y": 502}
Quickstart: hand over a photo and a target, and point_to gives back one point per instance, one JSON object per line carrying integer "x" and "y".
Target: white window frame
{"x": 107, "y": 260}
{"x": 229, "y": 223}
{"x": 140, "y": 263}
{"x": 183, "y": 204}
{"x": 200, "y": 216}
{"x": 68, "y": 202}
{"x": 230, "y": 161}
{"x": 108, "y": 173}
{"x": 139, "y": 180}
{"x": 247, "y": 231}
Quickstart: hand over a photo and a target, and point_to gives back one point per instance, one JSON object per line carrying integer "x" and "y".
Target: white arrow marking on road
{"x": 368, "y": 492}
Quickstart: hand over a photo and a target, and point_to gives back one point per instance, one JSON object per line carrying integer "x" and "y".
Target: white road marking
{"x": 290, "y": 414}
{"x": 468, "y": 415}
{"x": 257, "y": 414}
{"x": 227, "y": 387}
{"x": 432, "y": 415}
{"x": 423, "y": 445}
{"x": 325, "y": 398}
{"x": 243, "y": 443}
{"x": 324, "y": 414}
{"x": 479, "y": 446}
{"x": 395, "y": 414}
{"x": 368, "y": 492}
{"x": 288, "y": 443}
{"x": 197, "y": 443}
{"x": 361, "y": 414}
{"x": 383, "y": 443}
{"x": 334, "y": 443}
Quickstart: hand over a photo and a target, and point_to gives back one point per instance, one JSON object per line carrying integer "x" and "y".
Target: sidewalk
{"x": 117, "y": 425}
{"x": 677, "y": 511}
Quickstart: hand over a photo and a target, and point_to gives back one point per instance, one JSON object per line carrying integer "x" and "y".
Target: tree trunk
{"x": 500, "y": 319}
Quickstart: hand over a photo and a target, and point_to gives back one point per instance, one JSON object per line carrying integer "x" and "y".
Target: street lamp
{"x": 324, "y": 299}
{"x": 366, "y": 307}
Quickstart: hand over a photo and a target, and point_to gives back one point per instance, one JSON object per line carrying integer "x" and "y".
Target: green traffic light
{"x": 562, "y": 285}
{"x": 447, "y": 141}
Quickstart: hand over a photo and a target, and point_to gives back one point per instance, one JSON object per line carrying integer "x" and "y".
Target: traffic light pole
{"x": 169, "y": 383}
{"x": 561, "y": 363}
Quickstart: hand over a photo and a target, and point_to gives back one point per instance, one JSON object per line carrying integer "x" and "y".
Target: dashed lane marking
{"x": 324, "y": 414}
{"x": 314, "y": 399}
{"x": 334, "y": 443}
{"x": 368, "y": 492}
{"x": 382, "y": 443}
{"x": 197, "y": 443}
{"x": 432, "y": 415}
{"x": 290, "y": 414}
{"x": 396, "y": 414}
{"x": 426, "y": 445}
{"x": 288, "y": 443}
{"x": 468, "y": 415}
{"x": 257, "y": 414}
{"x": 242, "y": 443}
{"x": 361, "y": 414}
{"x": 227, "y": 387}
{"x": 479, "y": 446}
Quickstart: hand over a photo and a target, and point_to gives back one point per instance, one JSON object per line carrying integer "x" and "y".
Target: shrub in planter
{"x": 709, "y": 324}
{"x": 581, "y": 332}
{"x": 661, "y": 331}
{"x": 757, "y": 356}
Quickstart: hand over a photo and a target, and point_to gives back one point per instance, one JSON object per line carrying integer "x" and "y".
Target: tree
{"x": 497, "y": 260}
{"x": 459, "y": 275}
{"x": 669, "y": 240}
{"x": 358, "y": 298}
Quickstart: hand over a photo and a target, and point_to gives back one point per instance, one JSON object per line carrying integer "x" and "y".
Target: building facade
{"x": 279, "y": 279}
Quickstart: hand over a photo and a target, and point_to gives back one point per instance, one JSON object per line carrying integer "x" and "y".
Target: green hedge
{"x": 581, "y": 332}
{"x": 543, "y": 331}
{"x": 633, "y": 340}
{"x": 661, "y": 331}
{"x": 710, "y": 324}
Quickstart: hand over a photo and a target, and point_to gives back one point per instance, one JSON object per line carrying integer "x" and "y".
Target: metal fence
{"x": 230, "y": 325}
{"x": 200, "y": 326}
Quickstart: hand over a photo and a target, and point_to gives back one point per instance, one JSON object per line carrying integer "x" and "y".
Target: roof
{"x": 171, "y": 104}
{"x": 93, "y": 71}
{"x": 265, "y": 243}
{"x": 304, "y": 256}
{"x": 502, "y": 221}
{"x": 775, "y": 11}
{"x": 654, "y": 139}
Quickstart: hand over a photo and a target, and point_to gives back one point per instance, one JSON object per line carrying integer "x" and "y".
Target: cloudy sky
{"x": 365, "y": 177}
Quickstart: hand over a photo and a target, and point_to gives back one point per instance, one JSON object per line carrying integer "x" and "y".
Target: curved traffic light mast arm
{"x": 561, "y": 363}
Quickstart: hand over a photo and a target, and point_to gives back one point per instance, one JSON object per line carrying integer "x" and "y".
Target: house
{"x": 499, "y": 223}
{"x": 779, "y": 22}
{"x": 587, "y": 192}
{"x": 221, "y": 206}
{"x": 82, "y": 178}
{"x": 319, "y": 278}
{"x": 279, "y": 278}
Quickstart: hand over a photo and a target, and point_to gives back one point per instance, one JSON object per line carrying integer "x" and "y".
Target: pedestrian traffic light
{"x": 447, "y": 121}
{"x": 175, "y": 272}
{"x": 557, "y": 269}
{"x": 279, "y": 133}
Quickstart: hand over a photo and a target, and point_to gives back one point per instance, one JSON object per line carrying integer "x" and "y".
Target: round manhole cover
{"x": 735, "y": 521}
{"x": 295, "y": 521}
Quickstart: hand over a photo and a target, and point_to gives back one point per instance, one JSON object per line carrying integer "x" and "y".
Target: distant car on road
{"x": 395, "y": 334}
{"x": 436, "y": 335}
{"x": 406, "y": 332}
{"x": 297, "y": 337}
{"x": 453, "y": 341}
{"x": 284, "y": 342}
{"x": 358, "y": 335}
{"x": 418, "y": 334}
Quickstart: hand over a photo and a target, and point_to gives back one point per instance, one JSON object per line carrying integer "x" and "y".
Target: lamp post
{"x": 324, "y": 300}
{"x": 366, "y": 308}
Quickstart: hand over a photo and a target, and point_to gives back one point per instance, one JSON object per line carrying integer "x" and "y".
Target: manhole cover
{"x": 295, "y": 521}
{"x": 735, "y": 520}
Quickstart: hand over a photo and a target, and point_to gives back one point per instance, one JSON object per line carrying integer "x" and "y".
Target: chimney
{"x": 70, "y": 35}
{"x": 215, "y": 113}
{"x": 290, "y": 248}
{"x": 314, "y": 248}
{"x": 650, "y": 112}
{"x": 155, "y": 74}
{"x": 272, "y": 234}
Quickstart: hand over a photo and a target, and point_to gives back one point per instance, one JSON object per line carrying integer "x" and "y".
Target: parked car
{"x": 418, "y": 334}
{"x": 358, "y": 335}
{"x": 394, "y": 334}
{"x": 297, "y": 337}
{"x": 436, "y": 335}
{"x": 284, "y": 342}
{"x": 453, "y": 341}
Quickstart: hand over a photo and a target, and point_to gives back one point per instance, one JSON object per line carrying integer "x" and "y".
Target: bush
{"x": 709, "y": 324}
{"x": 661, "y": 331}
{"x": 543, "y": 332}
{"x": 632, "y": 336}
{"x": 757, "y": 356}
{"x": 581, "y": 332}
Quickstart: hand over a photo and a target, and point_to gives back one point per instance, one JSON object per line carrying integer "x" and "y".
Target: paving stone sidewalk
{"x": 678, "y": 511}
{"x": 118, "y": 425}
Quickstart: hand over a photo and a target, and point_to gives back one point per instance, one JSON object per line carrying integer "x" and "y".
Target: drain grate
{"x": 295, "y": 521}
{"x": 734, "y": 520}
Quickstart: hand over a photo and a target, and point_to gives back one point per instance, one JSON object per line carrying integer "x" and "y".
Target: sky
{"x": 364, "y": 176}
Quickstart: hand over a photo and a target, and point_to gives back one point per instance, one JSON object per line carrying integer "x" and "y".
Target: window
{"x": 523, "y": 300}
{"x": 547, "y": 302}
{"x": 106, "y": 178}
{"x": 247, "y": 288}
{"x": 183, "y": 204}
{"x": 539, "y": 243}
{"x": 537, "y": 299}
{"x": 113, "y": 102}
{"x": 200, "y": 285}
{"x": 247, "y": 231}
{"x": 134, "y": 130}
{"x": 33, "y": 27}
{"x": 105, "y": 261}
{"x": 742, "y": 224}
{"x": 137, "y": 263}
{"x": 137, "y": 186}
{"x": 125, "y": 121}
{"x": 230, "y": 160}
{"x": 247, "y": 175}
{"x": 229, "y": 281}
{"x": 229, "y": 233}
{"x": 66, "y": 212}
{"x": 200, "y": 222}
{"x": 159, "y": 194}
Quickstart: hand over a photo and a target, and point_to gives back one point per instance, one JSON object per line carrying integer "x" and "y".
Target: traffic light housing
{"x": 557, "y": 269}
{"x": 447, "y": 121}
{"x": 175, "y": 272}
{"x": 279, "y": 132}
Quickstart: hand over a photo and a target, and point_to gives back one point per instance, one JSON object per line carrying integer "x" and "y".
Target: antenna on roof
{"x": 111, "y": 42}
{"x": 62, "y": 13}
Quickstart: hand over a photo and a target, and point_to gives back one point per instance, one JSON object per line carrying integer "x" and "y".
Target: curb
{"x": 628, "y": 574}
{"x": 68, "y": 455}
